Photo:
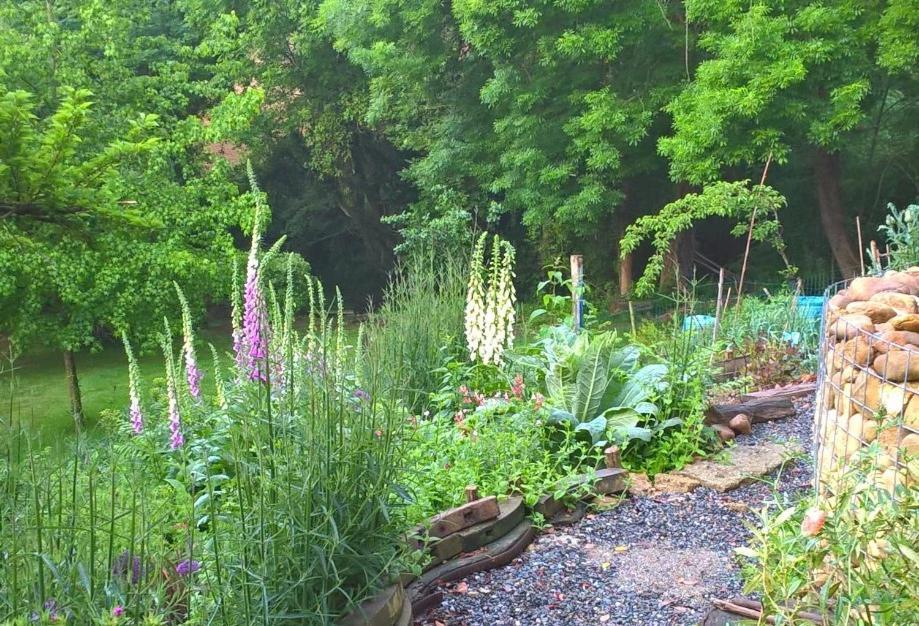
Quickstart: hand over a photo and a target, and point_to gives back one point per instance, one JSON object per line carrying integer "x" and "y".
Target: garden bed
{"x": 656, "y": 559}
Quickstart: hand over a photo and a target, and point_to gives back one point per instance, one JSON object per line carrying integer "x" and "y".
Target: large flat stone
{"x": 742, "y": 465}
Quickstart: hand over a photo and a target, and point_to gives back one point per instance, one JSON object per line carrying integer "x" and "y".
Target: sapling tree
{"x": 88, "y": 245}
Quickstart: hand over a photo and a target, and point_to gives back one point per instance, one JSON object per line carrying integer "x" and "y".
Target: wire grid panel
{"x": 867, "y": 409}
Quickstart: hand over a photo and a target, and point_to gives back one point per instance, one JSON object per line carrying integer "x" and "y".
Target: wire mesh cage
{"x": 867, "y": 409}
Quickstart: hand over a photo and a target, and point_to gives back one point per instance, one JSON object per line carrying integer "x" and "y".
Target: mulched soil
{"x": 649, "y": 561}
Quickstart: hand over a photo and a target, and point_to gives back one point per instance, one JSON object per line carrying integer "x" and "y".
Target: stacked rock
{"x": 870, "y": 384}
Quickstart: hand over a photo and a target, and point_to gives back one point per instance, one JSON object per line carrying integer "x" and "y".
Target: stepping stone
{"x": 744, "y": 464}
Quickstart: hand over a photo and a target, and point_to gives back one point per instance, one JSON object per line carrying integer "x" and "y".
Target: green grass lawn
{"x": 39, "y": 394}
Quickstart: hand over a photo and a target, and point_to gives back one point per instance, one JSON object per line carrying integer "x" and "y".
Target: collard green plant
{"x": 596, "y": 387}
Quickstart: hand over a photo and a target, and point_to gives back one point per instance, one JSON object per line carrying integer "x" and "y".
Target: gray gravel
{"x": 649, "y": 561}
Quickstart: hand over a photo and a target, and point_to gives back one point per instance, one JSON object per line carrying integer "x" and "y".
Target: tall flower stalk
{"x": 490, "y": 312}
{"x": 136, "y": 413}
{"x": 236, "y": 318}
{"x": 176, "y": 438}
{"x": 255, "y": 342}
{"x": 193, "y": 373}
{"x": 475, "y": 300}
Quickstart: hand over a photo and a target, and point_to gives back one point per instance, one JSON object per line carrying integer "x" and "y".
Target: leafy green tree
{"x": 540, "y": 111}
{"x": 110, "y": 183}
{"x": 804, "y": 82}
{"x": 332, "y": 177}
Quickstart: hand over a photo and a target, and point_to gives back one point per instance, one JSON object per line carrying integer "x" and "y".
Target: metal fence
{"x": 866, "y": 405}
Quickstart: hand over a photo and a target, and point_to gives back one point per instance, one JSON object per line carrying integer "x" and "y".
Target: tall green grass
{"x": 419, "y": 324}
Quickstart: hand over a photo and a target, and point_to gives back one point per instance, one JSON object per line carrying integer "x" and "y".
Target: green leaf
{"x": 748, "y": 552}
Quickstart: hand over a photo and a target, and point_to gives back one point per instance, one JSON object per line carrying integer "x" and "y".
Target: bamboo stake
{"x": 861, "y": 247}
{"x": 746, "y": 254}
{"x": 718, "y": 306}
{"x": 632, "y": 317}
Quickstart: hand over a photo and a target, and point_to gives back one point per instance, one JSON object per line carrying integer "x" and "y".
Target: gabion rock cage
{"x": 868, "y": 386}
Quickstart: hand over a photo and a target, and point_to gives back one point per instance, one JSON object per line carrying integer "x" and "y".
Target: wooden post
{"x": 577, "y": 284}
{"x": 875, "y": 253}
{"x": 625, "y": 275}
{"x": 613, "y": 460}
{"x": 472, "y": 493}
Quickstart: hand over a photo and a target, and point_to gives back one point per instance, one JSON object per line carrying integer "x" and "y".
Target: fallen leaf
{"x": 604, "y": 618}
{"x": 461, "y": 587}
{"x": 604, "y": 566}
{"x": 621, "y": 548}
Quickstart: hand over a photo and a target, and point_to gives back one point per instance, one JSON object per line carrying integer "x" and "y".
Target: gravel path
{"x": 651, "y": 561}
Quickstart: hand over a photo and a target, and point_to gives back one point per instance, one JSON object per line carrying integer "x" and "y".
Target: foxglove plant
{"x": 193, "y": 374}
{"x": 176, "y": 438}
{"x": 475, "y": 301}
{"x": 490, "y": 313}
{"x": 236, "y": 319}
{"x": 137, "y": 416}
{"x": 254, "y": 337}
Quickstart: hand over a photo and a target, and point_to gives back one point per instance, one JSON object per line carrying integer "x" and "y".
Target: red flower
{"x": 813, "y": 522}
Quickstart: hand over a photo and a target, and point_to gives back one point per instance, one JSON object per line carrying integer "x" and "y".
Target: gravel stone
{"x": 654, "y": 560}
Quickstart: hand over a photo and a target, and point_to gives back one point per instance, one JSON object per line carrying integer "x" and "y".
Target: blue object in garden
{"x": 811, "y": 307}
{"x": 697, "y": 322}
{"x": 792, "y": 338}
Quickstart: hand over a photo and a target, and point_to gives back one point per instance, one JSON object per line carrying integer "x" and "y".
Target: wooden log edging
{"x": 424, "y": 593}
{"x": 389, "y": 607}
{"x": 476, "y": 547}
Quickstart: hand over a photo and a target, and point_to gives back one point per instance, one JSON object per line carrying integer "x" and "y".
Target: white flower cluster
{"x": 490, "y": 312}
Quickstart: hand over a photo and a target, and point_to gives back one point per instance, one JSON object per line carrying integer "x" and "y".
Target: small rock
{"x": 640, "y": 485}
{"x": 724, "y": 432}
{"x": 740, "y": 424}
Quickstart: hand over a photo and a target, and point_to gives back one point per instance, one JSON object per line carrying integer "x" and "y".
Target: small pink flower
{"x": 538, "y": 400}
{"x": 813, "y": 522}
{"x": 117, "y": 610}
{"x": 518, "y": 386}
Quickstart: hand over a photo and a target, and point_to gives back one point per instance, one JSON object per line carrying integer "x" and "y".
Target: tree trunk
{"x": 832, "y": 215}
{"x": 625, "y": 275}
{"x": 73, "y": 388}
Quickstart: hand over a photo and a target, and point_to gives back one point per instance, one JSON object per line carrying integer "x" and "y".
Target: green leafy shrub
{"x": 501, "y": 445}
{"x": 901, "y": 229}
{"x": 595, "y": 386}
{"x": 852, "y": 557}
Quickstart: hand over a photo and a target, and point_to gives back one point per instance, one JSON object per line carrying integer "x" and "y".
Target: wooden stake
{"x": 577, "y": 280}
{"x": 861, "y": 247}
{"x": 632, "y": 317}
{"x": 613, "y": 460}
{"x": 718, "y": 306}
{"x": 875, "y": 253}
{"x": 746, "y": 254}
{"x": 472, "y": 493}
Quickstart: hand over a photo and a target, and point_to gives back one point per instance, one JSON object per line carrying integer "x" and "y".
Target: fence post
{"x": 577, "y": 283}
